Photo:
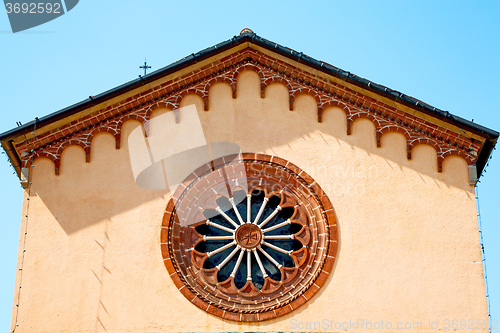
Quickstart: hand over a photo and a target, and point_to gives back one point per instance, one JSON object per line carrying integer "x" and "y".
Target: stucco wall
{"x": 408, "y": 250}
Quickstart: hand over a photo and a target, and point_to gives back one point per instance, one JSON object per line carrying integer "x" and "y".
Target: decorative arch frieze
{"x": 326, "y": 94}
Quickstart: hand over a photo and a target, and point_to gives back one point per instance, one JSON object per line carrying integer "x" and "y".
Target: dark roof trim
{"x": 287, "y": 52}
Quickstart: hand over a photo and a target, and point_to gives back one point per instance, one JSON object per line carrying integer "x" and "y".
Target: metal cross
{"x": 145, "y": 66}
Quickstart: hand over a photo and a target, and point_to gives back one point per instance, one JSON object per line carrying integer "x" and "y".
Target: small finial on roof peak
{"x": 246, "y": 30}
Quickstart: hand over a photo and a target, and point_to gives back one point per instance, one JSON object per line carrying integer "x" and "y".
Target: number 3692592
{"x": 33, "y": 8}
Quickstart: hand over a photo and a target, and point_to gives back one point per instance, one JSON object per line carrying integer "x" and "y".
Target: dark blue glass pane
{"x": 217, "y": 258}
{"x": 241, "y": 274}
{"x": 257, "y": 277}
{"x": 208, "y": 246}
{"x": 257, "y": 200}
{"x": 207, "y": 230}
{"x": 288, "y": 229}
{"x": 271, "y": 270}
{"x": 227, "y": 208}
{"x": 282, "y": 258}
{"x": 214, "y": 216}
{"x": 240, "y": 200}
{"x": 226, "y": 271}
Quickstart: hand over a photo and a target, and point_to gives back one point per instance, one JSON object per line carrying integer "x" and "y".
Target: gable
{"x": 389, "y": 110}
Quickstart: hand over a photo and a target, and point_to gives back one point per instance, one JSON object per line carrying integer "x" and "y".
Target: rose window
{"x": 250, "y": 239}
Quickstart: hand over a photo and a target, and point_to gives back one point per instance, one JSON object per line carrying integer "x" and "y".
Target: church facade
{"x": 248, "y": 187}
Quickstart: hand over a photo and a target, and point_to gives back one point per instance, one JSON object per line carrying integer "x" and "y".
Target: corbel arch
{"x": 391, "y": 128}
{"x": 454, "y": 152}
{"x": 114, "y": 131}
{"x": 220, "y": 79}
{"x": 251, "y": 67}
{"x": 79, "y": 142}
{"x": 119, "y": 125}
{"x": 332, "y": 104}
{"x": 351, "y": 117}
{"x": 304, "y": 91}
{"x": 168, "y": 104}
{"x": 426, "y": 141}
{"x": 49, "y": 156}
{"x": 202, "y": 94}
{"x": 274, "y": 79}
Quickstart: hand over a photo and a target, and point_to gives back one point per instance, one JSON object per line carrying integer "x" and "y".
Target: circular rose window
{"x": 249, "y": 238}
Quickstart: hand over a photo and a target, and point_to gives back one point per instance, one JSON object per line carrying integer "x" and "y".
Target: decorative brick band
{"x": 327, "y": 94}
{"x": 268, "y": 279}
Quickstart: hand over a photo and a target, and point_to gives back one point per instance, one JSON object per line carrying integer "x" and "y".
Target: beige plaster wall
{"x": 408, "y": 251}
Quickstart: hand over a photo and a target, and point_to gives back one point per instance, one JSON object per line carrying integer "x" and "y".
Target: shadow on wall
{"x": 87, "y": 193}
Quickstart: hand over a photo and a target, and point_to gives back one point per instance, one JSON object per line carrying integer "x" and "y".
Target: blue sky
{"x": 445, "y": 53}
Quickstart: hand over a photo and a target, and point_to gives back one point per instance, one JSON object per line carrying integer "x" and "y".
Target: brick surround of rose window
{"x": 259, "y": 217}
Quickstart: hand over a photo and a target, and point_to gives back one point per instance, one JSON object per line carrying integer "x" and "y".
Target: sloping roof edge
{"x": 491, "y": 136}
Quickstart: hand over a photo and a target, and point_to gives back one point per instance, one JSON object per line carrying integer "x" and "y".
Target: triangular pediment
{"x": 389, "y": 110}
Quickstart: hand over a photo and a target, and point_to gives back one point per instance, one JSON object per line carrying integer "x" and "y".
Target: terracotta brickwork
{"x": 312, "y": 214}
{"x": 327, "y": 94}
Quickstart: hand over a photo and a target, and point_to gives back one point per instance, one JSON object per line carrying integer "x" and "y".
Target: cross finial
{"x": 145, "y": 67}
